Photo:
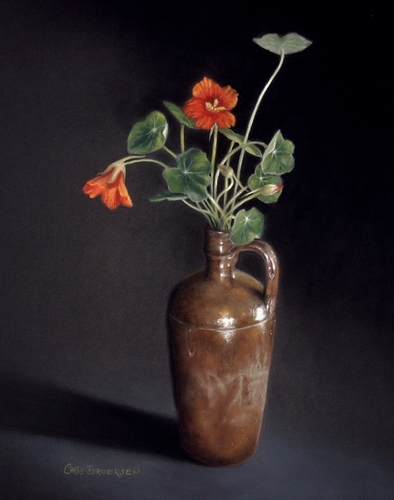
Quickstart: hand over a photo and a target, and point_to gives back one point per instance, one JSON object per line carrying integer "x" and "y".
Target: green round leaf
{"x": 149, "y": 135}
{"x": 278, "y": 157}
{"x": 277, "y": 163}
{"x": 288, "y": 44}
{"x": 248, "y": 225}
{"x": 266, "y": 183}
{"x": 191, "y": 176}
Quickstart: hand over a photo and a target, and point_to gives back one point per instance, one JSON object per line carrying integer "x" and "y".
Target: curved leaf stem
{"x": 147, "y": 160}
{"x": 227, "y": 187}
{"x": 249, "y": 197}
{"x": 206, "y": 213}
{"x": 236, "y": 195}
{"x": 242, "y": 147}
{"x": 215, "y": 184}
{"x": 169, "y": 151}
{"x": 131, "y": 157}
{"x": 257, "y": 105}
{"x": 182, "y": 137}
{"x": 214, "y": 144}
{"x": 218, "y": 209}
{"x": 252, "y": 117}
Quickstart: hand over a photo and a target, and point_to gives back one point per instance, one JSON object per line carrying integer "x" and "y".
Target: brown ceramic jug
{"x": 221, "y": 330}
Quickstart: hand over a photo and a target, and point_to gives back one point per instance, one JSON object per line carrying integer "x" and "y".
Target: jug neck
{"x": 219, "y": 255}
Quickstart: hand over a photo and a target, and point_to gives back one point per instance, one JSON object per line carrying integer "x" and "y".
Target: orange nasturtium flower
{"x": 110, "y": 185}
{"x": 210, "y": 105}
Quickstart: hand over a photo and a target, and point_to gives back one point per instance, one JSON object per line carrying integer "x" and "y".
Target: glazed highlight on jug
{"x": 221, "y": 330}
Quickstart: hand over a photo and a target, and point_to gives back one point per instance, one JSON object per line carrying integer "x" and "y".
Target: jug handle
{"x": 271, "y": 270}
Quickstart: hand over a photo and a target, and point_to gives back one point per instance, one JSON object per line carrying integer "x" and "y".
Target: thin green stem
{"x": 229, "y": 151}
{"x": 242, "y": 147}
{"x": 228, "y": 184}
{"x": 215, "y": 184}
{"x": 169, "y": 151}
{"x": 249, "y": 128}
{"x": 257, "y": 105}
{"x": 239, "y": 183}
{"x": 208, "y": 208}
{"x": 249, "y": 197}
{"x": 182, "y": 137}
{"x": 197, "y": 208}
{"x": 214, "y": 144}
{"x": 205, "y": 204}
{"x": 147, "y": 160}
{"x": 232, "y": 201}
{"x": 227, "y": 187}
{"x": 131, "y": 157}
{"x": 214, "y": 204}
{"x": 206, "y": 213}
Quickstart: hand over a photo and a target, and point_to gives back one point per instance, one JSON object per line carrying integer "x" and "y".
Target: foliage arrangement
{"x": 213, "y": 186}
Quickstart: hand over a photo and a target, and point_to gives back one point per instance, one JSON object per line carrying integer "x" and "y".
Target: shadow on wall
{"x": 39, "y": 409}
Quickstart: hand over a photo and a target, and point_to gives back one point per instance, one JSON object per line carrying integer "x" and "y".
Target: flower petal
{"x": 95, "y": 186}
{"x": 228, "y": 97}
{"x": 111, "y": 186}
{"x": 210, "y": 105}
{"x": 205, "y": 89}
{"x": 124, "y": 196}
{"x": 225, "y": 119}
{"x": 110, "y": 198}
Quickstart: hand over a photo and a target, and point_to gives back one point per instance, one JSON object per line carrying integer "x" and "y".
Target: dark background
{"x": 84, "y": 376}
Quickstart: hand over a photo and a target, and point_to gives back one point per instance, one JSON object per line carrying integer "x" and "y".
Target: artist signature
{"x": 90, "y": 470}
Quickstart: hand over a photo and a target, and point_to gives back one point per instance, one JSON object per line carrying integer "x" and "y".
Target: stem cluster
{"x": 226, "y": 192}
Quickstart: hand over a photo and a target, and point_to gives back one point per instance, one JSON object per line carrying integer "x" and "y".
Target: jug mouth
{"x": 209, "y": 229}
{"x": 218, "y": 243}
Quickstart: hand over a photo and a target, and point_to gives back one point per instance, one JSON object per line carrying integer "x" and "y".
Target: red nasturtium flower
{"x": 210, "y": 104}
{"x": 110, "y": 185}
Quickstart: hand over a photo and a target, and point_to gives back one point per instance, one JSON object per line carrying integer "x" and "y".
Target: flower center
{"x": 214, "y": 106}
